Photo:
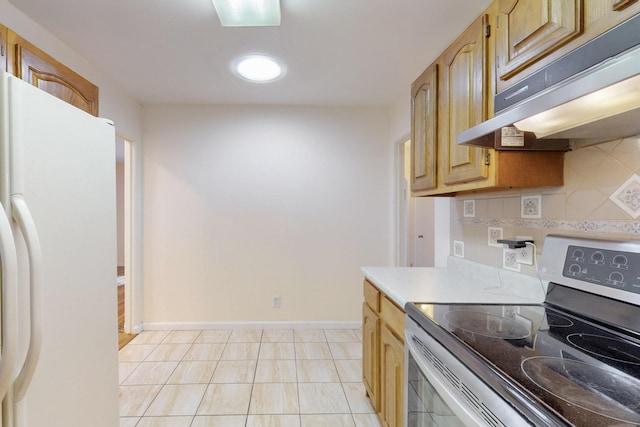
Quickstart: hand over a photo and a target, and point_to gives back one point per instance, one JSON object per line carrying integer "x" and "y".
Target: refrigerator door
{"x": 62, "y": 169}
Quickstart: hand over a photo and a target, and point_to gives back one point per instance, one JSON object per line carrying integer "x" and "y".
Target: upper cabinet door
{"x": 424, "y": 119}
{"x": 531, "y": 29}
{"x": 464, "y": 102}
{"x": 3, "y": 48}
{"x": 39, "y": 69}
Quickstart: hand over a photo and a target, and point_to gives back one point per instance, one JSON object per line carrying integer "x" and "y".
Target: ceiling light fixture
{"x": 258, "y": 68}
{"x": 248, "y": 13}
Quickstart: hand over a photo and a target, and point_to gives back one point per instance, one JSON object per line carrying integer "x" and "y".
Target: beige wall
{"x": 242, "y": 203}
{"x": 581, "y": 207}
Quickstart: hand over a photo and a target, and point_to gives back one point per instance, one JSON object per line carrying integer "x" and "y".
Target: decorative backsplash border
{"x": 582, "y": 226}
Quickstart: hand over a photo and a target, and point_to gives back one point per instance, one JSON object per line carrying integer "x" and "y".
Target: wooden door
{"x": 532, "y": 29}
{"x": 370, "y": 354}
{"x": 392, "y": 373}
{"x": 464, "y": 95}
{"x": 424, "y": 120}
{"x": 31, "y": 64}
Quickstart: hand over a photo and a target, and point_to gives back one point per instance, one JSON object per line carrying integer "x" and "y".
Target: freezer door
{"x": 62, "y": 164}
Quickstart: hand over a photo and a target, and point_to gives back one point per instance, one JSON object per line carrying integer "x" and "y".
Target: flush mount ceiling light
{"x": 248, "y": 13}
{"x": 258, "y": 68}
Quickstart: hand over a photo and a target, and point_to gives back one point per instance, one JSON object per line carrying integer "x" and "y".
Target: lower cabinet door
{"x": 392, "y": 378}
{"x": 370, "y": 354}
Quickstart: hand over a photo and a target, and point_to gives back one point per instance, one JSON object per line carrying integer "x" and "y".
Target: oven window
{"x": 426, "y": 407}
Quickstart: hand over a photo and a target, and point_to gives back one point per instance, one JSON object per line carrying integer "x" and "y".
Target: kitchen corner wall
{"x": 593, "y": 176}
{"x": 243, "y": 203}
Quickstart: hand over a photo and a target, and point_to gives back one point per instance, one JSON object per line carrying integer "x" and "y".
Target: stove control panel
{"x": 611, "y": 268}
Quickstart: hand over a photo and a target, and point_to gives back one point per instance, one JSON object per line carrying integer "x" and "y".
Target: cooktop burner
{"x": 486, "y": 324}
{"x": 600, "y": 390}
{"x": 607, "y": 347}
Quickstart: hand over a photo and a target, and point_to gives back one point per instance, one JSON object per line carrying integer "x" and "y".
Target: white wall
{"x": 246, "y": 202}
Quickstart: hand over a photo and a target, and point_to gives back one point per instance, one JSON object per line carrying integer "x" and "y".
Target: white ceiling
{"x": 337, "y": 52}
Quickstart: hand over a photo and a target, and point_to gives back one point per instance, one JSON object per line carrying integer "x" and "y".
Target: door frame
{"x": 132, "y": 314}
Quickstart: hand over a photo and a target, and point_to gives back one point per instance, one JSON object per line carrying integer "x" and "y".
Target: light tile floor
{"x": 244, "y": 378}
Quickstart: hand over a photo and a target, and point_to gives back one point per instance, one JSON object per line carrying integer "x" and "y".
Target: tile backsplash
{"x": 600, "y": 198}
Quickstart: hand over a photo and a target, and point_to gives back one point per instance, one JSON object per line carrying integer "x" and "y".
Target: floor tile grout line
{"x": 333, "y": 359}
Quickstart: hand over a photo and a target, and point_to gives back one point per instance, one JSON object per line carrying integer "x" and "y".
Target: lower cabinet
{"x": 392, "y": 379}
{"x": 370, "y": 355}
{"x": 383, "y": 355}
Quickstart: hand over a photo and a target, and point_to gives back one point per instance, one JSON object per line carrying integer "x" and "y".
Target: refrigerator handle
{"x": 9, "y": 263}
{"x": 23, "y": 216}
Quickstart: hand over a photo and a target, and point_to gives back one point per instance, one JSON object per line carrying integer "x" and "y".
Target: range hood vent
{"x": 590, "y": 95}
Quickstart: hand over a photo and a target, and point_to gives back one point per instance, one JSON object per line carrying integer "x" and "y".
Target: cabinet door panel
{"x": 39, "y": 69}
{"x": 424, "y": 104}
{"x": 464, "y": 103}
{"x": 370, "y": 354}
{"x": 3, "y": 48}
{"x": 392, "y": 371}
{"x": 532, "y": 29}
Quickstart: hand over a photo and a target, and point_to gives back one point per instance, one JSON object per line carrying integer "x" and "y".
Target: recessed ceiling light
{"x": 248, "y": 13}
{"x": 258, "y": 68}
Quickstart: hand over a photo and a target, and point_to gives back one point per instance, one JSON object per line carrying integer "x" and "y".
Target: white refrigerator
{"x": 59, "y": 354}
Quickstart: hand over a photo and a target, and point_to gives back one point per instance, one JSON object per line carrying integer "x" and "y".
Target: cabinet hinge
{"x": 487, "y": 158}
{"x": 487, "y": 31}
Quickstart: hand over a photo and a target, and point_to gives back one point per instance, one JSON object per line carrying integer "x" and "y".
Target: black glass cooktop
{"x": 586, "y": 373}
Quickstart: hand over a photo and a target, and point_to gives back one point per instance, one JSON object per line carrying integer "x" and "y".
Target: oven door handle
{"x": 441, "y": 384}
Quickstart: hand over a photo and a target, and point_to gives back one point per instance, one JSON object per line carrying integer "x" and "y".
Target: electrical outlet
{"x": 525, "y": 255}
{"x": 276, "y": 301}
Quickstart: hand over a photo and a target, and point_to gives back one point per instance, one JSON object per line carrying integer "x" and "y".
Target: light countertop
{"x": 461, "y": 282}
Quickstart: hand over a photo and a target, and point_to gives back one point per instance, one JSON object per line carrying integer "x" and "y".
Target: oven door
{"x": 441, "y": 391}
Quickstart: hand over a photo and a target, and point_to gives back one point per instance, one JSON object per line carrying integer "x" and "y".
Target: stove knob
{"x": 616, "y": 278}
{"x": 597, "y": 257}
{"x": 575, "y": 270}
{"x": 620, "y": 261}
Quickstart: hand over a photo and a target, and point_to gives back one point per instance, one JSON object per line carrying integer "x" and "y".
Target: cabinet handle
{"x": 622, "y": 5}
{"x": 420, "y": 236}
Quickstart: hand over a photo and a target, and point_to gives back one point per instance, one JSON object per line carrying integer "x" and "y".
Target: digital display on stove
{"x": 614, "y": 269}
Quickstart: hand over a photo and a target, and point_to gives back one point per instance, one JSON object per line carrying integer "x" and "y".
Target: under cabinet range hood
{"x": 590, "y": 95}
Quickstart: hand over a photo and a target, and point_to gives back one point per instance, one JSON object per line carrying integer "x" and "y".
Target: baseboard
{"x": 186, "y": 326}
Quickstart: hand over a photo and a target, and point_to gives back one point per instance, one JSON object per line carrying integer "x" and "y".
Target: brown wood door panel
{"x": 464, "y": 95}
{"x": 424, "y": 117}
{"x": 532, "y": 29}
{"x": 41, "y": 70}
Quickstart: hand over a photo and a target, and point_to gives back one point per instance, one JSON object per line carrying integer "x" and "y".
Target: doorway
{"x": 423, "y": 222}
{"x": 124, "y": 209}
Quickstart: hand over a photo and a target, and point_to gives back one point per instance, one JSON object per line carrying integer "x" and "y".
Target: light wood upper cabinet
{"x": 33, "y": 65}
{"x": 531, "y": 34}
{"x": 464, "y": 103}
{"x": 531, "y": 29}
{"x": 424, "y": 129}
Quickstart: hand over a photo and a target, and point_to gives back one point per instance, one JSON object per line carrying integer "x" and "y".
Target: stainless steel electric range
{"x": 572, "y": 360}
